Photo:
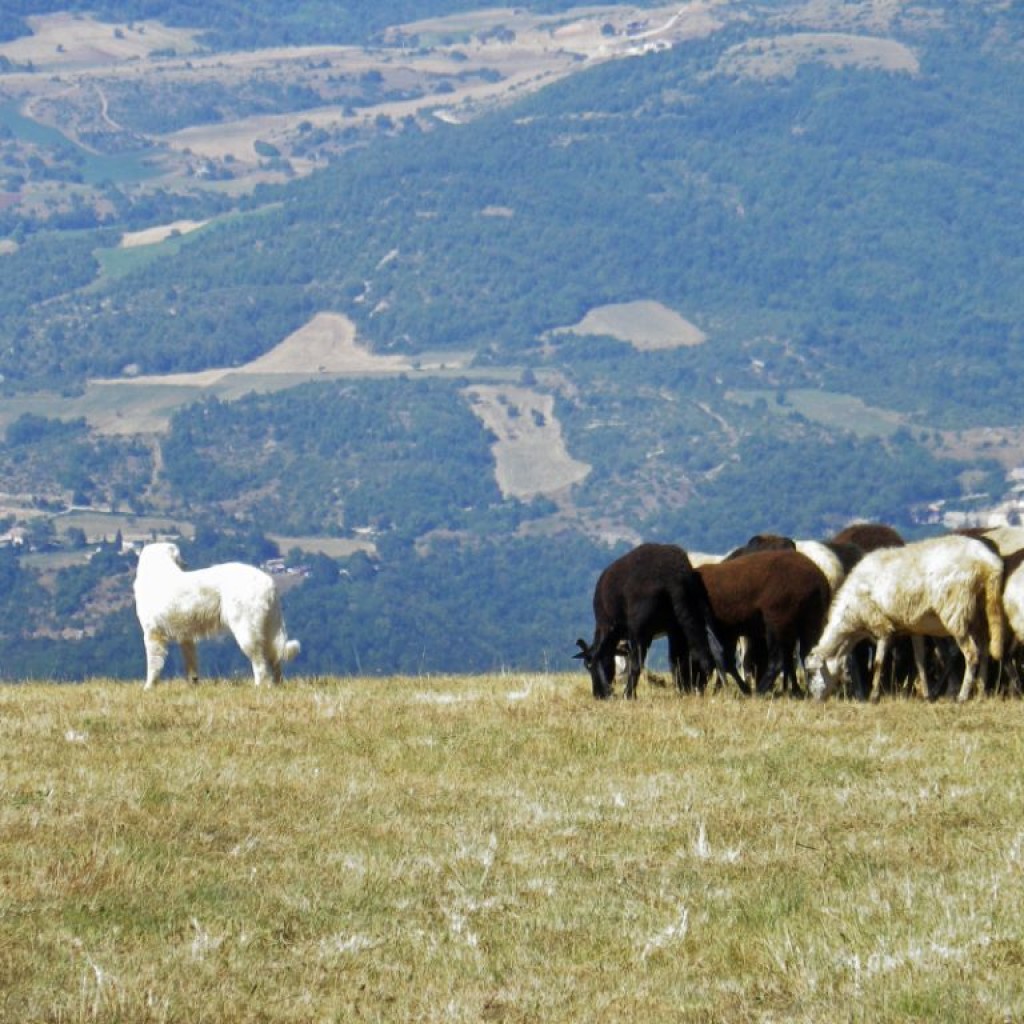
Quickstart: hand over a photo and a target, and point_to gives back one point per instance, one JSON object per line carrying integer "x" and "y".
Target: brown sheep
{"x": 778, "y": 599}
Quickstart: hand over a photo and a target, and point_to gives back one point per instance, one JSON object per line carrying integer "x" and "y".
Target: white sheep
{"x": 826, "y": 560}
{"x": 946, "y": 586}
{"x": 174, "y": 605}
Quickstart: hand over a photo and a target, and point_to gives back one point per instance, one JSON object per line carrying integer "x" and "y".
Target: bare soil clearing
{"x": 643, "y": 324}
{"x": 150, "y": 236}
{"x": 530, "y": 453}
{"x": 781, "y": 56}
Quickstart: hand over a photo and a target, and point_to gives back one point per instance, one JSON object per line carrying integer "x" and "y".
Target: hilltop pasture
{"x": 504, "y": 848}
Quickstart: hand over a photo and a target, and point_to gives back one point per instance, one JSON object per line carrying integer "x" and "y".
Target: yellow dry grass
{"x": 504, "y": 848}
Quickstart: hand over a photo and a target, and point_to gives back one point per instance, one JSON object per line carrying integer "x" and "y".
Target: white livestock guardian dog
{"x": 175, "y": 606}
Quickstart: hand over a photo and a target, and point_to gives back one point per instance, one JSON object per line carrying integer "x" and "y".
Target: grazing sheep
{"x": 946, "y": 586}
{"x": 834, "y": 559}
{"x": 649, "y": 592}
{"x": 1008, "y": 540}
{"x": 1013, "y": 606}
{"x": 762, "y": 542}
{"x": 869, "y": 536}
{"x": 178, "y": 606}
{"x": 777, "y": 599}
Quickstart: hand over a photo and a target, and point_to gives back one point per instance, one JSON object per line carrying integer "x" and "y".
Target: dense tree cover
{"x": 484, "y": 607}
{"x": 57, "y": 460}
{"x": 43, "y": 267}
{"x": 324, "y": 458}
{"x": 807, "y": 486}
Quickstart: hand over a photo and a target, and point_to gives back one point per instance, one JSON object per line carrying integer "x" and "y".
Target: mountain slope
{"x": 827, "y": 196}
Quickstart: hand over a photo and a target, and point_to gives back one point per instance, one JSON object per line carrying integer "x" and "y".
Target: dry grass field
{"x": 504, "y": 848}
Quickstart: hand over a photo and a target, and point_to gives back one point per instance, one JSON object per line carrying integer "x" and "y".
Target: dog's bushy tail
{"x": 284, "y": 649}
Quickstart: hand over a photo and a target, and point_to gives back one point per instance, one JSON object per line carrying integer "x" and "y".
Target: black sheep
{"x": 649, "y": 592}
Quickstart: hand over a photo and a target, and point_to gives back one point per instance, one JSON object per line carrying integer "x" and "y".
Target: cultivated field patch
{"x": 65, "y": 41}
{"x": 332, "y": 547}
{"x": 325, "y": 346}
{"x": 830, "y": 408}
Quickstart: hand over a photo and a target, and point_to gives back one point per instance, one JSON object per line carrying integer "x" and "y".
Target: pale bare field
{"x": 327, "y": 345}
{"x": 505, "y": 848}
{"x": 828, "y": 407}
{"x": 781, "y": 56}
{"x": 63, "y": 42}
{"x": 150, "y": 236}
{"x": 333, "y": 547}
{"x": 531, "y": 456}
{"x": 644, "y": 324}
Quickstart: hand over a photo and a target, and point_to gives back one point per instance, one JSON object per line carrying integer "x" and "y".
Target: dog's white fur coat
{"x": 177, "y": 606}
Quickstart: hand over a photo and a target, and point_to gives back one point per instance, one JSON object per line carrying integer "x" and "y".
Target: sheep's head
{"x": 599, "y": 661}
{"x": 821, "y": 674}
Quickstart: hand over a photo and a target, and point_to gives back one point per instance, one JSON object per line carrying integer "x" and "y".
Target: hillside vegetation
{"x": 505, "y": 848}
{"x": 510, "y": 208}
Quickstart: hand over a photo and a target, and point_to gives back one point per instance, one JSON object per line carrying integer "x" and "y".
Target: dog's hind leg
{"x": 188, "y": 652}
{"x": 254, "y": 649}
{"x": 261, "y": 670}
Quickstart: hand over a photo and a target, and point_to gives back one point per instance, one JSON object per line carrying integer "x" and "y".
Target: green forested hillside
{"x": 819, "y": 223}
{"x": 840, "y": 226}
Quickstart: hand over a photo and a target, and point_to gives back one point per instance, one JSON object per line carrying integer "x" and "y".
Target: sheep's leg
{"x": 859, "y": 660}
{"x": 969, "y": 648}
{"x": 945, "y": 666}
{"x": 156, "y": 655}
{"x": 789, "y": 672}
{"x": 635, "y": 657}
{"x": 1011, "y": 670}
{"x": 775, "y": 663}
{"x": 881, "y": 650}
{"x": 678, "y": 659}
{"x": 921, "y": 665}
{"x": 188, "y": 653}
